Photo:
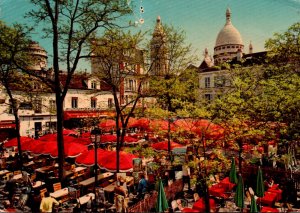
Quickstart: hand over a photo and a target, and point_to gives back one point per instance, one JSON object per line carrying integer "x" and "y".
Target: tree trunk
{"x": 118, "y": 143}
{"x": 20, "y": 159}
{"x": 60, "y": 140}
{"x": 206, "y": 192}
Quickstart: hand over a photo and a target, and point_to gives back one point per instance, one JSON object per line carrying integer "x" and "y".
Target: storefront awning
{"x": 85, "y": 114}
{"x": 7, "y": 125}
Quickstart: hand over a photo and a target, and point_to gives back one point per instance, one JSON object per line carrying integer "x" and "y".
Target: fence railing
{"x": 149, "y": 201}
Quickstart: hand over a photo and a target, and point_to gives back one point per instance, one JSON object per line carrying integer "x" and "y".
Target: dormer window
{"x": 94, "y": 85}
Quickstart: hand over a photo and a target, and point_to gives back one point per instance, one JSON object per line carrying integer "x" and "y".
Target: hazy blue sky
{"x": 256, "y": 20}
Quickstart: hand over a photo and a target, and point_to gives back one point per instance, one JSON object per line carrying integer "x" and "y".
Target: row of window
{"x": 228, "y": 47}
{"x": 219, "y": 81}
{"x": 93, "y": 103}
{"x": 36, "y": 105}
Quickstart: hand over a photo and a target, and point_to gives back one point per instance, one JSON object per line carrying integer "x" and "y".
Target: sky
{"x": 256, "y": 20}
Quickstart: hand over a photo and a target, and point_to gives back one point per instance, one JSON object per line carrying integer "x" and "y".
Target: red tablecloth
{"x": 200, "y": 205}
{"x": 268, "y": 209}
{"x": 276, "y": 191}
{"x": 218, "y": 190}
{"x": 275, "y": 186}
{"x": 189, "y": 210}
{"x": 269, "y": 199}
{"x": 225, "y": 182}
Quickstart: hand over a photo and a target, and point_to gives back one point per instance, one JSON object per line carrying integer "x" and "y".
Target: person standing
{"x": 186, "y": 175}
{"x": 47, "y": 203}
{"x": 142, "y": 186}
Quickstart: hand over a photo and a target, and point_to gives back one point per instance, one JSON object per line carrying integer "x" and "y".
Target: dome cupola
{"x": 228, "y": 41}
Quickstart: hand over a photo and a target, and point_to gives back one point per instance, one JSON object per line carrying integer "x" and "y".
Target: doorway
{"x": 37, "y": 129}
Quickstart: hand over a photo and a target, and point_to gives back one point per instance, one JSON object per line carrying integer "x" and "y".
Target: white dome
{"x": 229, "y": 35}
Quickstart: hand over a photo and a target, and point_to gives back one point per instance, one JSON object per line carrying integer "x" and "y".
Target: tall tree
{"x": 119, "y": 65}
{"x": 70, "y": 24}
{"x": 13, "y": 48}
{"x": 176, "y": 83}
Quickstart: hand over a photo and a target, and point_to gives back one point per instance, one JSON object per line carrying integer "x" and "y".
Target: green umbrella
{"x": 239, "y": 194}
{"x": 232, "y": 175}
{"x": 253, "y": 206}
{"x": 162, "y": 202}
{"x": 260, "y": 188}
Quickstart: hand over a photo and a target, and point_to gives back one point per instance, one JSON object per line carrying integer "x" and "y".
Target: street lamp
{"x": 96, "y": 139}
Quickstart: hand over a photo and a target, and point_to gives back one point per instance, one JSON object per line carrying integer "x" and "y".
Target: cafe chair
{"x": 56, "y": 186}
{"x": 6, "y": 177}
{"x": 174, "y": 205}
{"x": 17, "y": 172}
{"x": 42, "y": 192}
{"x": 196, "y": 197}
{"x": 33, "y": 177}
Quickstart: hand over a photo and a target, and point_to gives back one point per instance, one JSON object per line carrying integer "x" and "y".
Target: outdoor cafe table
{"x": 278, "y": 192}
{"x": 4, "y": 172}
{"x": 110, "y": 188}
{"x": 38, "y": 184}
{"x": 45, "y": 169}
{"x": 218, "y": 190}
{"x": 200, "y": 205}
{"x": 269, "y": 198}
{"x": 84, "y": 199}
{"x": 91, "y": 180}
{"x": 227, "y": 184}
{"x": 18, "y": 176}
{"x": 268, "y": 209}
{"x": 60, "y": 193}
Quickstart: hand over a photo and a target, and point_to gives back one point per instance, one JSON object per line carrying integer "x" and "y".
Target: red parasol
{"x": 14, "y": 141}
{"x": 109, "y": 162}
{"x": 108, "y": 139}
{"x": 69, "y": 132}
{"x": 28, "y": 145}
{"x": 158, "y": 125}
{"x": 108, "y": 124}
{"x": 43, "y": 147}
{"x": 185, "y": 124}
{"x": 86, "y": 135}
{"x": 84, "y": 141}
{"x": 210, "y": 130}
{"x": 143, "y": 123}
{"x": 71, "y": 149}
{"x": 53, "y": 137}
{"x": 130, "y": 140}
{"x": 164, "y": 145}
{"x": 87, "y": 158}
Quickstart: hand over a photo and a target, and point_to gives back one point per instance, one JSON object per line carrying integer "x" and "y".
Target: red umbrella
{"x": 71, "y": 150}
{"x": 108, "y": 139}
{"x": 164, "y": 145}
{"x": 53, "y": 137}
{"x": 143, "y": 123}
{"x": 43, "y": 147}
{"x": 107, "y": 124}
{"x": 185, "y": 124}
{"x": 48, "y": 137}
{"x": 130, "y": 140}
{"x": 69, "y": 132}
{"x": 87, "y": 158}
{"x": 210, "y": 130}
{"x": 109, "y": 162}
{"x": 156, "y": 125}
{"x": 86, "y": 134}
{"x": 28, "y": 145}
{"x": 14, "y": 141}
{"x": 84, "y": 141}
